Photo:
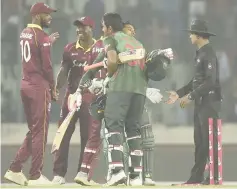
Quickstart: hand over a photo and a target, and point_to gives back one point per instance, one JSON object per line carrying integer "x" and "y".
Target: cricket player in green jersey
{"x": 125, "y": 99}
{"x": 152, "y": 94}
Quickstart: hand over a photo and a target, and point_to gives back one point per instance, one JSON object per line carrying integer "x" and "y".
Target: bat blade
{"x": 61, "y": 131}
{"x": 130, "y": 55}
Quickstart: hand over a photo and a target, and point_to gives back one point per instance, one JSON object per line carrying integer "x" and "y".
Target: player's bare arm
{"x": 61, "y": 77}
{"x": 90, "y": 74}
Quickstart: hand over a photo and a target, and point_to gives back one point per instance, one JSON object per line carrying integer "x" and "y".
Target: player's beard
{"x": 84, "y": 38}
{"x": 43, "y": 24}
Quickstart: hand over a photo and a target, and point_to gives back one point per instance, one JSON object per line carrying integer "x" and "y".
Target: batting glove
{"x": 86, "y": 84}
{"x": 168, "y": 53}
{"x": 97, "y": 86}
{"x": 154, "y": 95}
{"x": 74, "y": 101}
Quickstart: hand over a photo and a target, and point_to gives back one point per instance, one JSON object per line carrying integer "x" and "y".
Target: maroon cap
{"x": 86, "y": 21}
{"x": 39, "y": 8}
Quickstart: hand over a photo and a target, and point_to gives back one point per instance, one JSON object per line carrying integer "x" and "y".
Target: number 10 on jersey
{"x": 25, "y": 51}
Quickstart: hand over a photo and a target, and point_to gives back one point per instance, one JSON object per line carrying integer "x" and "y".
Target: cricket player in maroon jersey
{"x": 75, "y": 56}
{"x": 37, "y": 90}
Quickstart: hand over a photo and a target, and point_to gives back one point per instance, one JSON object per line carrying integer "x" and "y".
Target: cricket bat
{"x": 61, "y": 131}
{"x": 130, "y": 55}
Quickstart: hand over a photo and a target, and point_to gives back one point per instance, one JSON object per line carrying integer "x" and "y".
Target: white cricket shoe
{"x": 82, "y": 179}
{"x": 16, "y": 177}
{"x": 58, "y": 180}
{"x": 149, "y": 182}
{"x": 117, "y": 179}
{"x": 42, "y": 180}
{"x": 137, "y": 181}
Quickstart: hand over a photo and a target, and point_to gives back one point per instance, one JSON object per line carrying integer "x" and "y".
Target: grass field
{"x": 159, "y": 185}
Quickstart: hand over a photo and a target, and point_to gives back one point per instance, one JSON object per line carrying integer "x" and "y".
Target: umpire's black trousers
{"x": 202, "y": 112}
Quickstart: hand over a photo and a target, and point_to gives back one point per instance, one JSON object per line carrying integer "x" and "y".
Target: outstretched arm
{"x": 90, "y": 74}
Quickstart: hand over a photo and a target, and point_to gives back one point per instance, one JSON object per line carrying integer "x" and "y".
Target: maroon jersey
{"x": 75, "y": 58}
{"x": 36, "y": 61}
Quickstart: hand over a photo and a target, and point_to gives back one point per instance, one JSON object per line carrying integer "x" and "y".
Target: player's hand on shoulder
{"x": 154, "y": 95}
{"x": 53, "y": 37}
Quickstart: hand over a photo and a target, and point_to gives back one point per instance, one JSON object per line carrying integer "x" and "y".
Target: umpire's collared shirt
{"x": 205, "y": 85}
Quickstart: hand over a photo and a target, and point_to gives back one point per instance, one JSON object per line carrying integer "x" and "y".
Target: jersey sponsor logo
{"x": 77, "y": 63}
{"x": 26, "y": 35}
{"x": 74, "y": 54}
{"x": 97, "y": 50}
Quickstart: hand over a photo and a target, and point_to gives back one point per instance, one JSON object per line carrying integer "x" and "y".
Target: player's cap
{"x": 86, "y": 21}
{"x": 39, "y": 8}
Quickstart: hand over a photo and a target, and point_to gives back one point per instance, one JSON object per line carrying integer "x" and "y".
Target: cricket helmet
{"x": 97, "y": 107}
{"x": 157, "y": 66}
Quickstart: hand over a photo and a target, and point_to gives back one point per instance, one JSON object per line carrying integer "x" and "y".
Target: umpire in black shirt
{"x": 204, "y": 90}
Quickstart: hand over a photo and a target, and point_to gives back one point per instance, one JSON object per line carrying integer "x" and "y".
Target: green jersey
{"x": 130, "y": 76}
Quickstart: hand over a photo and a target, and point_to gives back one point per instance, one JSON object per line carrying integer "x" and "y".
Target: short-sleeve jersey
{"x": 75, "y": 58}
{"x": 36, "y": 62}
{"x": 131, "y": 76}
